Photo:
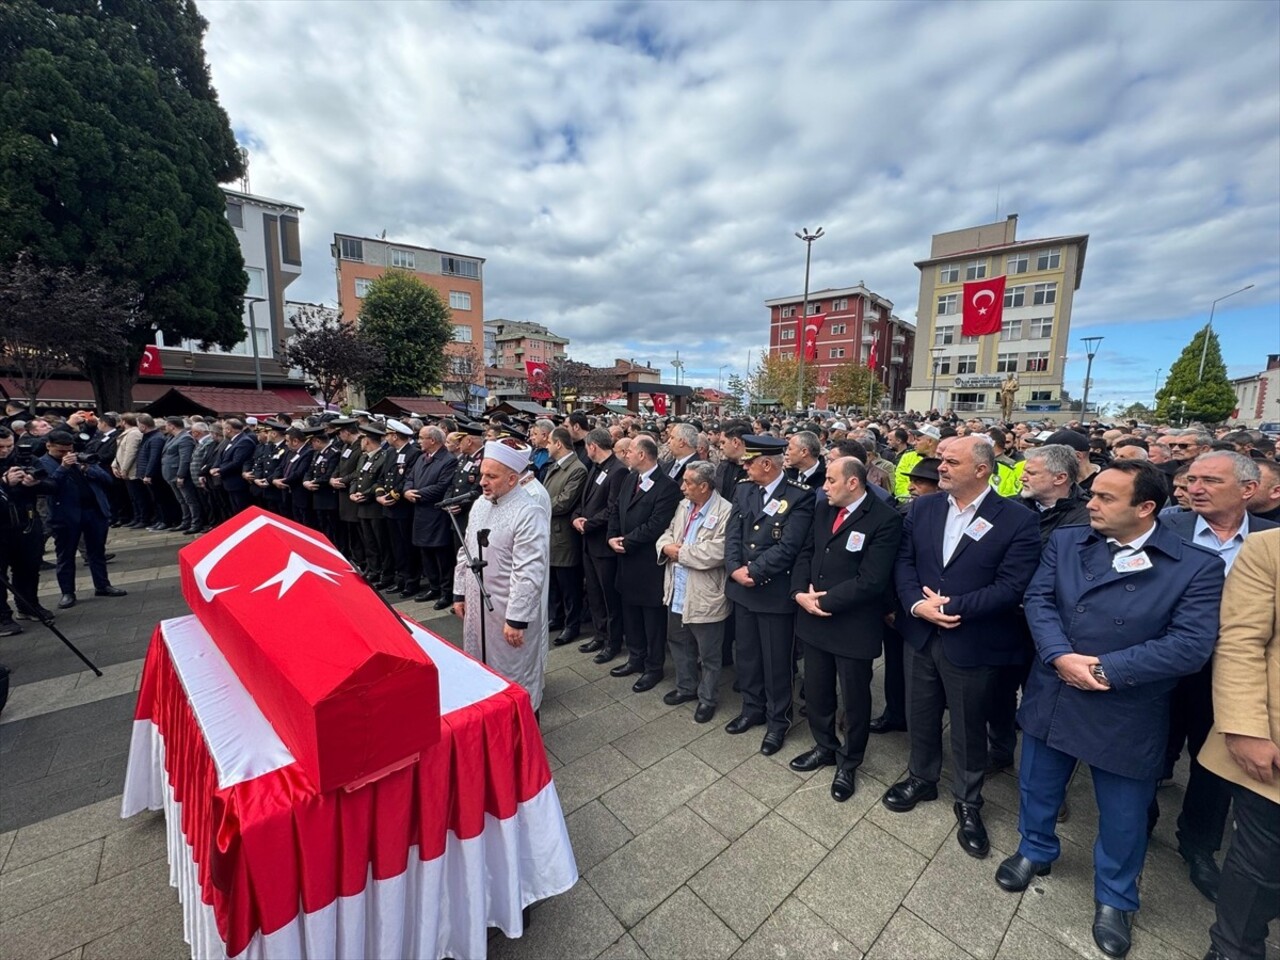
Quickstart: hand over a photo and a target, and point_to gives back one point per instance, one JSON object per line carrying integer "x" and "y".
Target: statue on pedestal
{"x": 1008, "y": 390}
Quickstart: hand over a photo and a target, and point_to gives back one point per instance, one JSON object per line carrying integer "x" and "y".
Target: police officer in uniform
{"x": 324, "y": 498}
{"x": 297, "y": 467}
{"x": 379, "y": 565}
{"x": 403, "y": 453}
{"x": 348, "y": 539}
{"x": 466, "y": 479}
{"x": 267, "y": 466}
{"x": 771, "y": 522}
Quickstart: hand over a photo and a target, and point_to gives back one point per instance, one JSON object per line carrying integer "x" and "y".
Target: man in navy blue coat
{"x": 1118, "y": 611}
{"x": 232, "y": 462}
{"x": 967, "y": 555}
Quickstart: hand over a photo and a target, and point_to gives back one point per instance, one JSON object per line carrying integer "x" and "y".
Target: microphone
{"x": 455, "y": 501}
{"x": 482, "y": 537}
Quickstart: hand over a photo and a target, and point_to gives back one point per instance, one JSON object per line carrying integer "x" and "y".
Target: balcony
{"x": 895, "y": 359}
{"x": 899, "y": 339}
{"x": 868, "y": 338}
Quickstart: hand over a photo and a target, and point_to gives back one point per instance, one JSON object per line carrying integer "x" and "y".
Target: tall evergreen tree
{"x": 1209, "y": 398}
{"x": 409, "y": 322}
{"x": 112, "y": 146}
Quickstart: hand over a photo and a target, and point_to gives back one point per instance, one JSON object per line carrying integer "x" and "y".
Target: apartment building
{"x": 516, "y": 343}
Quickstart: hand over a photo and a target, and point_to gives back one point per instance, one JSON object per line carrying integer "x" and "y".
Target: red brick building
{"x": 848, "y": 320}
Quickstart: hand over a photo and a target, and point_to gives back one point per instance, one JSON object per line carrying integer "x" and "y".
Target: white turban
{"x": 517, "y": 458}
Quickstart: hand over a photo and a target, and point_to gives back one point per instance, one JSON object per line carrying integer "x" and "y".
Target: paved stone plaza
{"x": 689, "y": 842}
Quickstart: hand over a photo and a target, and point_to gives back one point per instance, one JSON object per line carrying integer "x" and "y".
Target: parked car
{"x": 1271, "y": 428}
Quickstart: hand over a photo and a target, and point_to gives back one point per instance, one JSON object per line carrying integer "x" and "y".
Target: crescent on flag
{"x": 205, "y": 567}
{"x": 977, "y": 297}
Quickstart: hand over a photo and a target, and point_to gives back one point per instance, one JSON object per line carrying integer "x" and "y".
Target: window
{"x": 1044, "y": 293}
{"x": 842, "y": 304}
{"x": 787, "y": 312}
{"x": 788, "y": 333}
{"x": 786, "y": 355}
{"x": 837, "y": 328}
{"x": 1037, "y": 362}
{"x": 836, "y": 353}
{"x": 257, "y": 285}
{"x": 235, "y": 213}
{"x": 462, "y": 333}
{"x": 967, "y": 363}
{"x": 968, "y": 339}
{"x": 290, "y": 242}
{"x": 948, "y": 304}
{"x": 949, "y": 274}
{"x": 1049, "y": 260}
{"x": 1041, "y": 395}
{"x": 351, "y": 249}
{"x": 1041, "y": 328}
{"x": 459, "y": 267}
{"x": 1006, "y": 363}
{"x": 975, "y": 270}
{"x": 814, "y": 308}
{"x": 968, "y": 401}
{"x": 944, "y": 336}
{"x": 402, "y": 258}
{"x": 1011, "y": 330}
{"x": 459, "y": 300}
{"x": 944, "y": 365}
{"x": 1017, "y": 263}
{"x": 1015, "y": 296}
{"x": 362, "y": 287}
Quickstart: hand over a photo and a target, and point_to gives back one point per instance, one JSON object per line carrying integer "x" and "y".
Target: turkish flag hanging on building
{"x": 149, "y": 365}
{"x": 811, "y": 326}
{"x": 983, "y": 307}
{"x": 871, "y": 357}
{"x": 660, "y": 404}
{"x": 536, "y": 373}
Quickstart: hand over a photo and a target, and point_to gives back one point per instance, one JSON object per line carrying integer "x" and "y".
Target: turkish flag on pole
{"x": 871, "y": 357}
{"x": 536, "y": 373}
{"x": 660, "y": 404}
{"x": 983, "y": 307}
{"x": 149, "y": 365}
{"x": 811, "y": 327}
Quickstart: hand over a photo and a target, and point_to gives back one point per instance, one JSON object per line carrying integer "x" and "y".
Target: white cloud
{"x": 634, "y": 172}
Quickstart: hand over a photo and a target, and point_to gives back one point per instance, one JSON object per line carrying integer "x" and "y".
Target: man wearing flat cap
{"x": 515, "y": 521}
{"x": 770, "y": 524}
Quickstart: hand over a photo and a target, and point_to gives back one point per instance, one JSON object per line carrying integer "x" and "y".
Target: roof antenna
{"x": 244, "y": 163}
{"x": 997, "y": 201}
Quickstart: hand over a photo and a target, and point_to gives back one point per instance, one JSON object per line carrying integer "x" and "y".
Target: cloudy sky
{"x": 634, "y": 172}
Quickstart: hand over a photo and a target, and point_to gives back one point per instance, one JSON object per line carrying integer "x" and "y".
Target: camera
{"x": 88, "y": 459}
{"x": 25, "y": 459}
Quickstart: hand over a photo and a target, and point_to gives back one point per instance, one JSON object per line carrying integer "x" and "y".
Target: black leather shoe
{"x": 973, "y": 832}
{"x": 1111, "y": 930}
{"x": 591, "y": 646}
{"x": 1015, "y": 873}
{"x": 569, "y": 635}
{"x": 68, "y": 600}
{"x": 605, "y": 655}
{"x": 426, "y": 596}
{"x": 741, "y": 724}
{"x": 771, "y": 743}
{"x": 563, "y": 639}
{"x": 673, "y": 698}
{"x": 108, "y": 557}
{"x": 1064, "y": 811}
{"x": 626, "y": 669}
{"x": 883, "y": 724}
{"x": 111, "y": 592}
{"x": 408, "y": 590}
{"x": 555, "y": 625}
{"x": 444, "y": 603}
{"x": 704, "y": 713}
{"x": 647, "y": 682}
{"x": 904, "y": 795}
{"x": 1215, "y": 954}
{"x": 812, "y": 760}
{"x": 842, "y": 786}
{"x": 39, "y": 613}
{"x": 1205, "y": 875}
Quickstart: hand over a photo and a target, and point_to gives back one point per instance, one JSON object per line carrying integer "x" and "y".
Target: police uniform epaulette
{"x": 798, "y": 485}
{"x": 746, "y": 480}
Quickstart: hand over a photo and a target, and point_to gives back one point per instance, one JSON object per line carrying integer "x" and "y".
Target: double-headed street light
{"x": 808, "y": 238}
{"x": 936, "y": 353}
{"x": 253, "y": 339}
{"x": 1204, "y": 349}
{"x": 1090, "y": 351}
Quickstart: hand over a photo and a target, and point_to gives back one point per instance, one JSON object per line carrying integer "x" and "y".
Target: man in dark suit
{"x": 804, "y": 460}
{"x": 682, "y": 441}
{"x": 1219, "y": 484}
{"x": 564, "y": 479}
{"x": 729, "y": 471}
{"x": 231, "y": 463}
{"x": 767, "y": 530}
{"x": 967, "y": 556}
{"x": 324, "y": 499}
{"x": 599, "y": 500}
{"x": 348, "y": 540}
{"x": 401, "y": 457}
{"x": 149, "y": 472}
{"x": 175, "y": 468}
{"x": 843, "y": 583}
{"x": 78, "y": 508}
{"x": 297, "y": 501}
{"x": 427, "y": 484}
{"x": 1118, "y": 611}
{"x": 646, "y": 504}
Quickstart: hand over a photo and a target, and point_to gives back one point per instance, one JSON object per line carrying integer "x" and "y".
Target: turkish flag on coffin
{"x": 983, "y": 307}
{"x": 342, "y": 682}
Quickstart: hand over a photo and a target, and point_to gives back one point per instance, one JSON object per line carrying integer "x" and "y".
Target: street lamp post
{"x": 1154, "y": 398}
{"x": 253, "y": 341}
{"x": 1204, "y": 349}
{"x": 808, "y": 238}
{"x": 1090, "y": 350}
{"x": 719, "y": 376}
{"x": 936, "y": 353}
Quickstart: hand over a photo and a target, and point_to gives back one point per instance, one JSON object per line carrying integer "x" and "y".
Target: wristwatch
{"x": 1099, "y": 674}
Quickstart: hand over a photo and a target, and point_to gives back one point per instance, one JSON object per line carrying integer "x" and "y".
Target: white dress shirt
{"x": 958, "y": 521}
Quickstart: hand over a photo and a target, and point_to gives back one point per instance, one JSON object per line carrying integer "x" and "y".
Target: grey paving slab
{"x": 649, "y": 705}
{"x": 958, "y": 896}
{"x": 590, "y": 733}
{"x": 586, "y": 778}
{"x": 923, "y": 829}
{"x": 557, "y": 683}
{"x": 661, "y": 737}
{"x": 722, "y": 751}
{"x": 1172, "y": 908}
{"x": 886, "y": 757}
{"x": 907, "y": 937}
{"x": 1022, "y": 941}
{"x": 155, "y": 938}
{"x": 794, "y": 932}
{"x": 27, "y": 803}
{"x": 769, "y": 782}
{"x": 859, "y": 885}
{"x": 553, "y": 714}
{"x": 746, "y": 882}
{"x": 653, "y": 793}
{"x": 625, "y": 948}
{"x": 52, "y": 836}
{"x": 573, "y": 925}
{"x": 728, "y": 808}
{"x": 6, "y": 844}
{"x": 638, "y": 877}
{"x": 595, "y": 833}
{"x": 23, "y": 764}
{"x": 141, "y": 841}
{"x": 685, "y": 928}
{"x": 584, "y": 699}
{"x": 812, "y": 809}
{"x": 45, "y": 881}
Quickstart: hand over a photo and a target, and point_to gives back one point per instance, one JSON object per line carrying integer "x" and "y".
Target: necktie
{"x": 839, "y": 519}
{"x": 1115, "y": 547}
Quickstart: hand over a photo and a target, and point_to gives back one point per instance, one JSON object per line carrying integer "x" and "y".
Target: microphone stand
{"x": 47, "y": 620}
{"x": 476, "y": 565}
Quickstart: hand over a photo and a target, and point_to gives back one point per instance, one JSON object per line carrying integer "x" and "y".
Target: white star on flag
{"x": 293, "y": 571}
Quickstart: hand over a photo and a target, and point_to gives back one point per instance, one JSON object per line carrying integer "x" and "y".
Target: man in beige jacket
{"x": 692, "y": 551}
{"x": 1244, "y": 748}
{"x": 125, "y": 467}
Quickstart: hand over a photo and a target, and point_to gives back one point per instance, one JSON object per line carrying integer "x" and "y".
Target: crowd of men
{"x": 1067, "y": 583}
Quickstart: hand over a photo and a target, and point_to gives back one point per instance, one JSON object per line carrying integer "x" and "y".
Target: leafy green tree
{"x": 112, "y": 146}
{"x": 777, "y": 378}
{"x": 1137, "y": 411}
{"x": 411, "y": 324}
{"x": 852, "y": 384}
{"x": 1186, "y": 395}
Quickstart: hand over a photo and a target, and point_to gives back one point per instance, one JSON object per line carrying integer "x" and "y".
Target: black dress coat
{"x": 432, "y": 476}
{"x": 640, "y": 517}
